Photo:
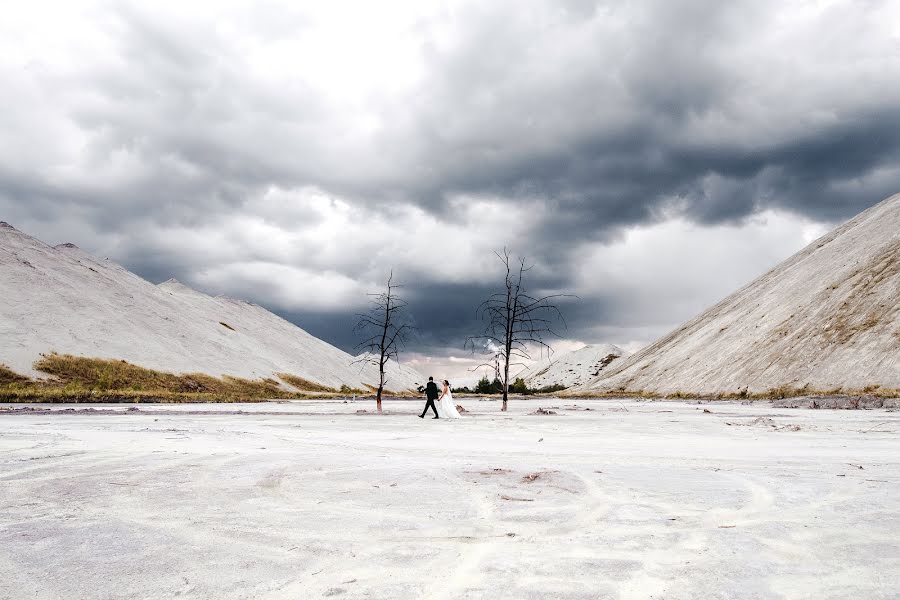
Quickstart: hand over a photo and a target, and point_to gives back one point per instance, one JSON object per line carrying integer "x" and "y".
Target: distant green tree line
{"x": 486, "y": 386}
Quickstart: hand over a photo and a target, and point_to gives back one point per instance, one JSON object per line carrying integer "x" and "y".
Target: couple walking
{"x": 445, "y": 407}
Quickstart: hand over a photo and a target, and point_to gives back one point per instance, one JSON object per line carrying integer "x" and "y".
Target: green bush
{"x": 486, "y": 386}
{"x": 519, "y": 387}
{"x": 549, "y": 389}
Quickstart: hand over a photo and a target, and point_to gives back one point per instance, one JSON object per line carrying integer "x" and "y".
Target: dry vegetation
{"x": 776, "y": 393}
{"x": 305, "y": 385}
{"x": 80, "y": 379}
{"x": 849, "y": 320}
{"x": 8, "y": 376}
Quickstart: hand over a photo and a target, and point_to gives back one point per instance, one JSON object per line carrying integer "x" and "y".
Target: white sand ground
{"x": 635, "y": 500}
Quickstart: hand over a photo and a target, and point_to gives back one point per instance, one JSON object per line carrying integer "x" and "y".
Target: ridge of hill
{"x": 825, "y": 319}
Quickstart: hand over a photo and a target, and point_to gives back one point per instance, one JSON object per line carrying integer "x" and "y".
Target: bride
{"x": 446, "y": 407}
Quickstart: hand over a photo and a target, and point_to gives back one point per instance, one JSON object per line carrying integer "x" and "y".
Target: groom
{"x": 431, "y": 394}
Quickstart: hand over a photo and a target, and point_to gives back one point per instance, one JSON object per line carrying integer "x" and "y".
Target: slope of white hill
{"x": 394, "y": 372}
{"x": 827, "y": 318}
{"x": 62, "y": 299}
{"x": 572, "y": 368}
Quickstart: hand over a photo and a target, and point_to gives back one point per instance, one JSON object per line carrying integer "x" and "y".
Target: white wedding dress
{"x": 447, "y": 407}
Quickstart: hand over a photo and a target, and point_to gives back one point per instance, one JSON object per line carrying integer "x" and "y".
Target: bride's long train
{"x": 447, "y": 407}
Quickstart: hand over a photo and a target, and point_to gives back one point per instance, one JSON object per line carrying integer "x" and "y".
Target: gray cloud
{"x": 189, "y": 143}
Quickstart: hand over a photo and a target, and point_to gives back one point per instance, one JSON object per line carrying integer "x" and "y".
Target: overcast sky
{"x": 650, "y": 157}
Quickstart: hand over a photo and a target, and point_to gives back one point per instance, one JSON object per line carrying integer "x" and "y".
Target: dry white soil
{"x": 308, "y": 500}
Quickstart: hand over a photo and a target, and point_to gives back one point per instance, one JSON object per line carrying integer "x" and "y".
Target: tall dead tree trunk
{"x": 387, "y": 332}
{"x": 515, "y": 321}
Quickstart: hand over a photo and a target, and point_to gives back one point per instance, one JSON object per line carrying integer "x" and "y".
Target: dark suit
{"x": 431, "y": 394}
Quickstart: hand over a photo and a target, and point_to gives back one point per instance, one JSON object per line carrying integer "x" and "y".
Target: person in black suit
{"x": 431, "y": 394}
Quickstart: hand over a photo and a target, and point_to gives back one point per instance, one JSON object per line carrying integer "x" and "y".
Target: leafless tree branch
{"x": 515, "y": 320}
{"x": 388, "y": 333}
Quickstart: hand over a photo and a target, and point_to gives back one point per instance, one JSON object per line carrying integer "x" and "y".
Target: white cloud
{"x": 662, "y": 274}
{"x": 286, "y": 287}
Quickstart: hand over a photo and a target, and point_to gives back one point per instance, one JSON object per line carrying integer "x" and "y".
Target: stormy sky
{"x": 649, "y": 157}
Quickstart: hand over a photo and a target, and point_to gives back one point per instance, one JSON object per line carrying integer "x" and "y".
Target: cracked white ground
{"x": 631, "y": 500}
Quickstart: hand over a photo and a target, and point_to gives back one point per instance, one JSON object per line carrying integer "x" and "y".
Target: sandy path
{"x": 632, "y": 500}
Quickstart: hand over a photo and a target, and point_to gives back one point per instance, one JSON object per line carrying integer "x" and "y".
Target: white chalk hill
{"x": 573, "y": 368}
{"x": 827, "y": 318}
{"x": 62, "y": 299}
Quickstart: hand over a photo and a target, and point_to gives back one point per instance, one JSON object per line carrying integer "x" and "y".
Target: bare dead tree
{"x": 515, "y": 321}
{"x": 387, "y": 330}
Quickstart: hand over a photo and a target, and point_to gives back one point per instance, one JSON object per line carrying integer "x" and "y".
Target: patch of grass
{"x": 549, "y": 389}
{"x": 81, "y": 379}
{"x": 619, "y": 393}
{"x": 346, "y": 390}
{"x": 305, "y": 384}
{"x": 45, "y": 394}
{"x": 792, "y": 392}
{"x": 8, "y": 376}
{"x": 775, "y": 393}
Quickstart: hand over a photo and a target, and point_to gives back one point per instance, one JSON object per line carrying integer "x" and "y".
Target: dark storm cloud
{"x": 605, "y": 128}
{"x": 443, "y": 315}
{"x": 604, "y": 114}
